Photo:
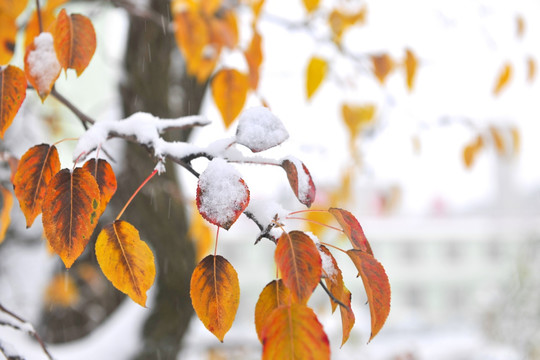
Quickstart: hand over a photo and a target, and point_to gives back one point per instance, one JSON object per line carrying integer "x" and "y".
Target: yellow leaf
{"x": 274, "y": 295}
{"x": 498, "y": 140}
{"x": 192, "y": 35}
{"x": 311, "y": 5}
{"x": 126, "y": 260}
{"x": 8, "y": 32}
{"x": 503, "y": 78}
{"x": 340, "y": 21}
{"x": 531, "y": 69}
{"x": 516, "y": 140}
{"x": 229, "y": 90}
{"x": 315, "y": 74}
{"x": 382, "y": 66}
{"x": 215, "y": 294}
{"x": 357, "y": 117}
{"x": 471, "y": 151}
{"x": 209, "y": 7}
{"x": 62, "y": 291}
{"x": 254, "y": 58}
{"x": 5, "y": 213}
{"x": 411, "y": 64}
{"x": 12, "y": 94}
{"x": 12, "y": 8}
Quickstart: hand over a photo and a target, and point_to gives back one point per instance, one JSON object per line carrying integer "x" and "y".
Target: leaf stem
{"x": 135, "y": 193}
{"x": 217, "y": 237}
{"x": 65, "y": 139}
{"x": 332, "y": 246}
{"x": 307, "y": 211}
{"x": 314, "y": 222}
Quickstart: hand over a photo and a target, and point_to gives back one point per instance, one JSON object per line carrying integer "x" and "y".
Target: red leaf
{"x": 300, "y": 180}
{"x": 36, "y": 169}
{"x": 351, "y": 228}
{"x": 377, "y": 287}
{"x": 222, "y": 195}
{"x": 74, "y": 41}
{"x": 12, "y": 95}
{"x": 105, "y": 178}
{"x": 70, "y": 211}
{"x": 299, "y": 263}
{"x": 294, "y": 332}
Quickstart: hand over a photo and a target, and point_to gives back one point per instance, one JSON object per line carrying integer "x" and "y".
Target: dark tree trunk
{"x": 158, "y": 211}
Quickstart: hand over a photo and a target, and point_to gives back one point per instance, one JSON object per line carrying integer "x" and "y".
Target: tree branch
{"x": 27, "y": 327}
{"x": 85, "y": 119}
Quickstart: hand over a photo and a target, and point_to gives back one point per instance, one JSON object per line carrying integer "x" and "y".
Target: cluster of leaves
{"x": 72, "y": 201}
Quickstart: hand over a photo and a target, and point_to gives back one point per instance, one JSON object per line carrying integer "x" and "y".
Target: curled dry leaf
{"x": 105, "y": 178}
{"x": 222, "y": 195}
{"x": 352, "y": 228}
{"x": 229, "y": 90}
{"x": 35, "y": 170}
{"x": 294, "y": 332}
{"x": 377, "y": 287}
{"x": 41, "y": 64}
{"x": 315, "y": 74}
{"x": 74, "y": 41}
{"x": 299, "y": 264}
{"x": 12, "y": 95}
{"x": 300, "y": 180}
{"x": 126, "y": 260}
{"x": 5, "y": 212}
{"x": 70, "y": 212}
{"x": 215, "y": 294}
{"x": 274, "y": 295}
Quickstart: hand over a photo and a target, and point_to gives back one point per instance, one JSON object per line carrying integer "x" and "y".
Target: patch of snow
{"x": 42, "y": 62}
{"x": 259, "y": 129}
{"x": 265, "y": 211}
{"x": 327, "y": 264}
{"x": 223, "y": 193}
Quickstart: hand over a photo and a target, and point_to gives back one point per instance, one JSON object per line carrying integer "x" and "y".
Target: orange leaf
{"x": 229, "y": 90}
{"x": 311, "y": 5}
{"x": 516, "y": 140}
{"x": 225, "y": 29}
{"x": 531, "y": 69}
{"x": 47, "y": 20}
{"x": 520, "y": 26}
{"x": 12, "y": 95}
{"x": 105, "y": 178}
{"x": 498, "y": 140}
{"x": 209, "y": 7}
{"x": 62, "y": 291}
{"x": 192, "y": 35}
{"x": 357, "y": 117}
{"x": 74, "y": 41}
{"x": 222, "y": 195}
{"x": 340, "y": 21}
{"x": 377, "y": 287}
{"x": 411, "y": 64}
{"x": 347, "y": 316}
{"x": 299, "y": 263}
{"x": 352, "y": 228}
{"x": 70, "y": 213}
{"x": 382, "y": 66}
{"x": 294, "y": 332}
{"x": 300, "y": 180}
{"x": 315, "y": 74}
{"x": 256, "y": 6}
{"x": 8, "y": 32}
{"x": 215, "y": 294}
{"x": 126, "y": 260}
{"x": 502, "y": 80}
{"x": 36, "y": 169}
{"x": 41, "y": 64}
{"x": 254, "y": 58}
{"x": 5, "y": 213}
{"x": 13, "y": 8}
{"x": 274, "y": 295}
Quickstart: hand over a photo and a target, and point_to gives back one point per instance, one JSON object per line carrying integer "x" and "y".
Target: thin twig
{"x": 332, "y": 296}
{"x": 40, "y": 21}
{"x": 30, "y": 330}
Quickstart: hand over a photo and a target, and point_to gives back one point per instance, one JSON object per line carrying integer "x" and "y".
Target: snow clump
{"x": 259, "y": 129}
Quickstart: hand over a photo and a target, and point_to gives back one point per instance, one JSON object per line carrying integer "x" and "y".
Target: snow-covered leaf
{"x": 259, "y": 129}
{"x": 300, "y": 180}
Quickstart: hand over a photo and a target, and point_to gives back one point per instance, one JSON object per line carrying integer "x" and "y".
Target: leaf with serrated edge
{"x": 347, "y": 316}
{"x": 294, "y": 332}
{"x": 12, "y": 95}
{"x": 74, "y": 41}
{"x": 299, "y": 264}
{"x": 300, "y": 180}
{"x": 70, "y": 211}
{"x": 215, "y": 294}
{"x": 34, "y": 172}
{"x": 5, "y": 213}
{"x": 274, "y": 295}
{"x": 105, "y": 178}
{"x": 126, "y": 260}
{"x": 229, "y": 91}
{"x": 352, "y": 228}
{"x": 377, "y": 288}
